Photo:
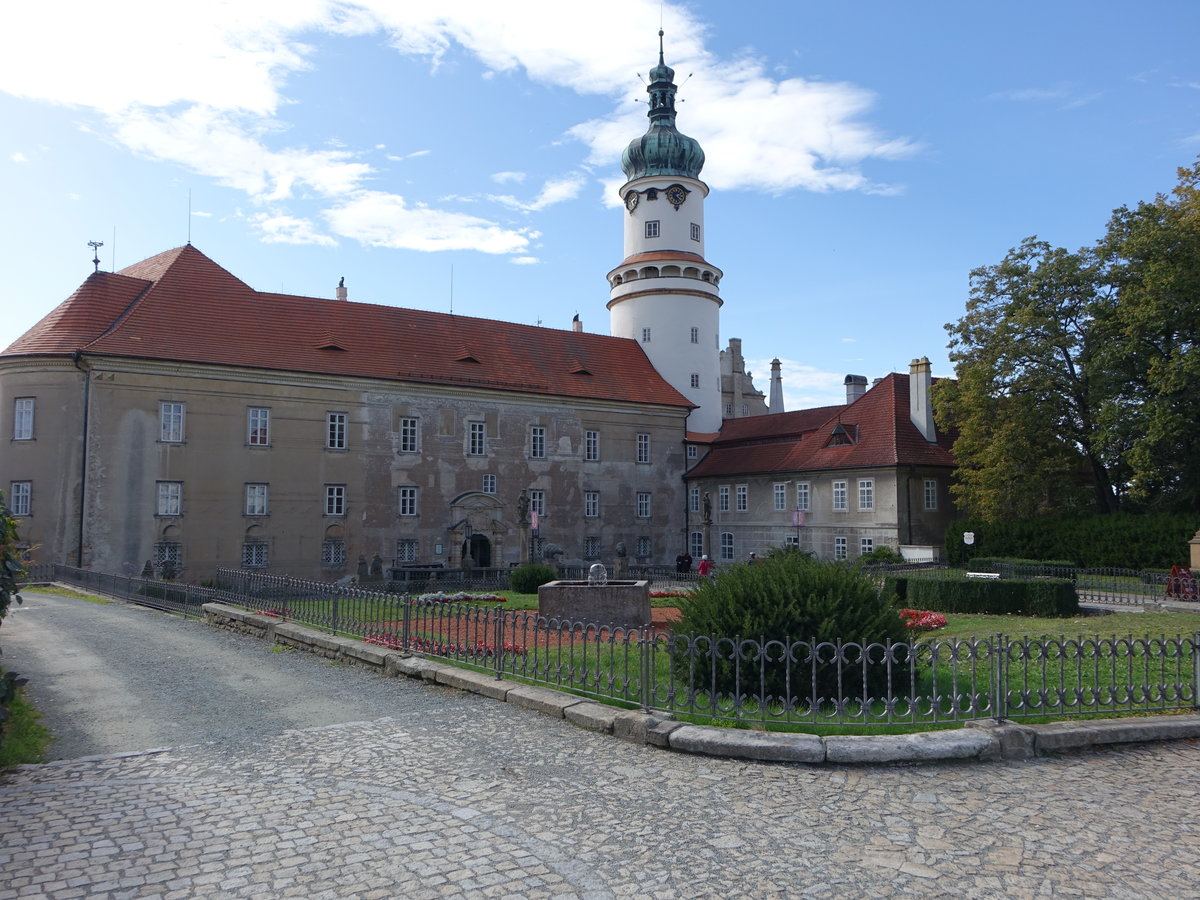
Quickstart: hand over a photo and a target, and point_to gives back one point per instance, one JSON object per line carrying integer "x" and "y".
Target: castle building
{"x": 170, "y": 413}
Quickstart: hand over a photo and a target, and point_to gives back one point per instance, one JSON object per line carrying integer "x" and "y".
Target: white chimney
{"x": 342, "y": 294}
{"x": 920, "y": 409}
{"x": 856, "y": 386}
{"x": 776, "y": 402}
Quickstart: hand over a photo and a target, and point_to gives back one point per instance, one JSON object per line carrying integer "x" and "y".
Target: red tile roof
{"x": 800, "y": 441}
{"x": 657, "y": 255}
{"x": 181, "y": 306}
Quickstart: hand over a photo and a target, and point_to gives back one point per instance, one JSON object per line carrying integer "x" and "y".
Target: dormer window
{"x": 842, "y": 435}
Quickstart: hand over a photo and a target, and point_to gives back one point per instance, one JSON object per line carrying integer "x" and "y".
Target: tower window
{"x": 695, "y": 335}
{"x": 652, "y": 194}
{"x": 695, "y": 232}
{"x": 652, "y": 228}
{"x": 645, "y": 335}
{"x": 695, "y": 380}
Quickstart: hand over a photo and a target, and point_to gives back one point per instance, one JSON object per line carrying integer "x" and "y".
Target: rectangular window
{"x": 489, "y": 484}
{"x": 537, "y": 502}
{"x": 743, "y": 498}
{"x": 695, "y": 335}
{"x": 406, "y": 550}
{"x": 170, "y": 498}
{"x": 780, "y": 491}
{"x": 692, "y": 451}
{"x": 652, "y": 228}
{"x": 335, "y": 499}
{"x": 643, "y": 504}
{"x": 802, "y": 496}
{"x": 695, "y": 380}
{"x": 643, "y": 547}
{"x": 23, "y": 419}
{"x": 643, "y": 448}
{"x": 723, "y": 498}
{"x": 477, "y": 440}
{"x": 591, "y": 503}
{"x": 865, "y": 546}
{"x": 407, "y": 500}
{"x": 694, "y": 499}
{"x": 168, "y": 554}
{"x": 257, "y": 496}
{"x": 333, "y": 553}
{"x": 839, "y": 548}
{"x": 537, "y": 442}
{"x": 591, "y": 446}
{"x": 840, "y": 501}
{"x": 866, "y": 493}
{"x": 591, "y": 547}
{"x": 171, "y": 418}
{"x": 726, "y": 546}
{"x": 20, "y": 498}
{"x": 254, "y": 555}
{"x": 408, "y": 435}
{"x": 696, "y": 544}
{"x": 645, "y": 335}
{"x": 335, "y": 431}
{"x": 695, "y": 232}
{"x": 931, "y": 493}
{"x": 792, "y": 541}
{"x": 258, "y": 427}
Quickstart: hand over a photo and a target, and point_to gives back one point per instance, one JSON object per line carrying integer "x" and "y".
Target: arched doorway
{"x": 480, "y": 550}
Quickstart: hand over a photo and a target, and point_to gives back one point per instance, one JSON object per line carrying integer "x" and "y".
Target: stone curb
{"x": 979, "y": 739}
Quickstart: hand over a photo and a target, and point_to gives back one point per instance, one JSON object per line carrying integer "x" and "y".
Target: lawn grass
{"x": 23, "y": 738}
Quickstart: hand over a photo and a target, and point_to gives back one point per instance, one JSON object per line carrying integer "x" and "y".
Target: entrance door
{"x": 481, "y": 550}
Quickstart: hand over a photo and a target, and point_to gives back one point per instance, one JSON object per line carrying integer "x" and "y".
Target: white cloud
{"x": 524, "y": 260}
{"x": 19, "y": 157}
{"x": 384, "y": 220}
{"x": 506, "y": 177}
{"x": 1063, "y": 95}
{"x": 804, "y": 386}
{"x": 202, "y": 214}
{"x": 284, "y": 229}
{"x": 555, "y": 191}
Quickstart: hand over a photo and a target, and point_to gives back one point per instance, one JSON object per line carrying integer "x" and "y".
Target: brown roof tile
{"x": 182, "y": 306}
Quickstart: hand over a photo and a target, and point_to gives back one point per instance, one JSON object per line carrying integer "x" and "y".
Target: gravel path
{"x": 443, "y": 794}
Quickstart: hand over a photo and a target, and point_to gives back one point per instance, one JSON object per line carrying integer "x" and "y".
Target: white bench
{"x": 983, "y": 574}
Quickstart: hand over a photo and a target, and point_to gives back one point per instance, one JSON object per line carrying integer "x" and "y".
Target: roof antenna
{"x": 451, "y": 288}
{"x": 189, "y": 227}
{"x": 96, "y": 245}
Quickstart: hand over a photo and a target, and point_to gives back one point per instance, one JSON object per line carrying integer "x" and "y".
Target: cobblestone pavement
{"x": 494, "y": 801}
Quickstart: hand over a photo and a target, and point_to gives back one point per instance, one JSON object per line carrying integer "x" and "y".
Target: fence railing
{"x": 721, "y": 678}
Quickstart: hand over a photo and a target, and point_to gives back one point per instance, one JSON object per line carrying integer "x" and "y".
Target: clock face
{"x": 631, "y": 200}
{"x": 676, "y": 194}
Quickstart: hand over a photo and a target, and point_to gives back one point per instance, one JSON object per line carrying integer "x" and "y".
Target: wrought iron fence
{"x": 738, "y": 679}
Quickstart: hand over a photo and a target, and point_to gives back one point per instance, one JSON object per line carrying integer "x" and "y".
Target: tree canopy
{"x": 1078, "y": 375}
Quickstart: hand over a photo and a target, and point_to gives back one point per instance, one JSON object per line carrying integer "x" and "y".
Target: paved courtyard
{"x": 453, "y": 795}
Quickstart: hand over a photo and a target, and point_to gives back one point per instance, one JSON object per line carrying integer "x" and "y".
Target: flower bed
{"x": 460, "y": 597}
{"x": 662, "y": 595}
{"x": 922, "y": 620}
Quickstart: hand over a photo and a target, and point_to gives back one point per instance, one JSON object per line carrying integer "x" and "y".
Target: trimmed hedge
{"x": 1119, "y": 540}
{"x": 528, "y": 578}
{"x": 1046, "y": 597}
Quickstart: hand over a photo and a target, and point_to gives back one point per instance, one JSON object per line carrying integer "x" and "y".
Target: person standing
{"x": 706, "y": 568}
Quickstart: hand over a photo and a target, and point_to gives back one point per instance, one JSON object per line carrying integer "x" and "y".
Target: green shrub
{"x": 1048, "y": 597}
{"x": 785, "y": 597}
{"x": 528, "y": 578}
{"x": 880, "y": 556}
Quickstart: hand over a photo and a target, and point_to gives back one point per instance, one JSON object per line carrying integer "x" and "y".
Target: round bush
{"x": 787, "y": 598}
{"x": 528, "y": 578}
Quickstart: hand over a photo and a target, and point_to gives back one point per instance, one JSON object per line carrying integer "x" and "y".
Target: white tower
{"x": 664, "y": 294}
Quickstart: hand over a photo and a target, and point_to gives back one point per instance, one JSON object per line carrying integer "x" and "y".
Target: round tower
{"x": 664, "y": 294}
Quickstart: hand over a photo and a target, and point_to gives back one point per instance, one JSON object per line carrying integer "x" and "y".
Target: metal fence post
{"x": 1196, "y": 670}
{"x": 499, "y": 638}
{"x": 404, "y": 620}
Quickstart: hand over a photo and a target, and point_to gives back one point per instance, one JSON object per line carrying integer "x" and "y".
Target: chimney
{"x": 920, "y": 410}
{"x": 856, "y": 386}
{"x": 776, "y": 403}
{"x": 341, "y": 289}
{"x": 576, "y": 325}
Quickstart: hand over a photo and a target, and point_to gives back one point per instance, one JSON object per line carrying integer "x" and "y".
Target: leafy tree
{"x": 1028, "y": 399}
{"x": 10, "y": 571}
{"x": 1153, "y": 252}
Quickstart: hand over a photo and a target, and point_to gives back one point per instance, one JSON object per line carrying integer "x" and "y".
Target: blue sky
{"x": 863, "y": 157}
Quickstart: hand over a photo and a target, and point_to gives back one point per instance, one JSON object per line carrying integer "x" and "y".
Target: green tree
{"x": 1153, "y": 254}
{"x": 11, "y": 571}
{"x": 1029, "y": 400}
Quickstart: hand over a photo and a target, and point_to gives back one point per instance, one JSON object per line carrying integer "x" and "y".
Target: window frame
{"x": 537, "y": 441}
{"x": 644, "y": 547}
{"x": 256, "y": 555}
{"x": 591, "y": 546}
{"x": 172, "y": 418}
{"x": 653, "y": 228}
{"x": 168, "y": 499}
{"x": 537, "y": 502}
{"x": 643, "y": 448}
{"x": 694, "y": 499}
{"x": 779, "y": 492}
{"x": 695, "y": 334}
{"x": 841, "y": 549}
{"x": 336, "y": 430}
{"x": 727, "y": 545}
{"x": 407, "y": 549}
{"x": 803, "y": 496}
{"x": 645, "y": 504}
{"x": 258, "y": 426}
{"x": 930, "y": 489}
{"x": 24, "y": 412}
{"x": 253, "y": 493}
{"x": 329, "y": 558}
{"x": 723, "y": 495}
{"x": 410, "y": 434}
{"x": 742, "y": 497}
{"x": 488, "y": 485}
{"x": 591, "y": 446}
{"x": 591, "y": 504}
{"x": 840, "y": 501}
{"x": 477, "y": 438}
{"x": 406, "y": 500}
{"x": 695, "y": 380}
{"x": 695, "y": 231}
{"x": 866, "y": 494}
{"x": 20, "y": 498}
{"x": 865, "y": 546}
{"x": 335, "y": 501}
